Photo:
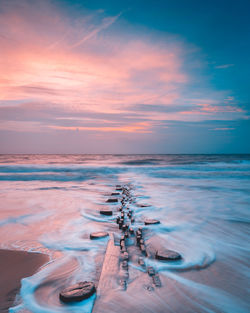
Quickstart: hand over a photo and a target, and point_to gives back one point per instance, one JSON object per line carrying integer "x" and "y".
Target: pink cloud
{"x": 215, "y": 111}
{"x": 80, "y": 65}
{"x": 224, "y": 128}
{"x": 73, "y": 71}
{"x": 143, "y": 127}
{"x": 215, "y": 108}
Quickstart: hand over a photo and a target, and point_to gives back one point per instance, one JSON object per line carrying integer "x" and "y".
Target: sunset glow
{"x": 55, "y": 65}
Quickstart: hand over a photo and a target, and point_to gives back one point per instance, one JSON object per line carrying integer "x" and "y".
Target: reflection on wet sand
{"x": 14, "y": 266}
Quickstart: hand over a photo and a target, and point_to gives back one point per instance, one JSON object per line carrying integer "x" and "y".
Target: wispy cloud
{"x": 224, "y": 128}
{"x": 106, "y": 22}
{"x": 224, "y": 66}
{"x": 143, "y": 127}
{"x": 54, "y": 65}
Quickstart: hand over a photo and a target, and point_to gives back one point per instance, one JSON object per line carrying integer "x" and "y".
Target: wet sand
{"x": 14, "y": 266}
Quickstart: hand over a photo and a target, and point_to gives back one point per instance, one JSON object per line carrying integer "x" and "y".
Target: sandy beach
{"x": 16, "y": 265}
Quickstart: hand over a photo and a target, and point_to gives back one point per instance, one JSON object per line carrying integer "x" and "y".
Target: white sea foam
{"x": 52, "y": 204}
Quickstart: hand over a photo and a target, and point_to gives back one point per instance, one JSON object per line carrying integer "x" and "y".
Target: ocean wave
{"x": 25, "y": 173}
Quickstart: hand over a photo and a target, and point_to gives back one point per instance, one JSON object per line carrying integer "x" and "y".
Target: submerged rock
{"x": 138, "y": 239}
{"x": 115, "y": 194}
{"x": 167, "y": 255}
{"x": 139, "y": 233}
{"x": 112, "y": 200}
{"x": 77, "y": 292}
{"x": 125, "y": 264}
{"x": 143, "y": 250}
{"x": 123, "y": 246}
{"x": 98, "y": 235}
{"x": 125, "y": 256}
{"x": 131, "y": 231}
{"x": 124, "y": 228}
{"x": 150, "y": 271}
{"x": 156, "y": 280}
{"x": 123, "y": 284}
{"x": 150, "y": 221}
{"x": 106, "y": 212}
{"x": 141, "y": 262}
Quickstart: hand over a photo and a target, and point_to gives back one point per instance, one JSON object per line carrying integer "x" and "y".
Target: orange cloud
{"x": 131, "y": 128}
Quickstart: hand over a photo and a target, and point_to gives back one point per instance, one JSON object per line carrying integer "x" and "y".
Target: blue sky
{"x": 124, "y": 77}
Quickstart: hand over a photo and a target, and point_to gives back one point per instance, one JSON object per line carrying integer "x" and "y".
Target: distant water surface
{"x": 50, "y": 203}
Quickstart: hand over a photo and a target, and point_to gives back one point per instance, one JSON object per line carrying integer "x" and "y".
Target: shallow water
{"x": 50, "y": 203}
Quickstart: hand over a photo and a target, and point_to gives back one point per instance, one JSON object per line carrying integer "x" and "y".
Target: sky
{"x": 137, "y": 76}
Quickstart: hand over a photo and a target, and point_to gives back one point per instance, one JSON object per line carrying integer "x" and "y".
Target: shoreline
{"x": 16, "y": 265}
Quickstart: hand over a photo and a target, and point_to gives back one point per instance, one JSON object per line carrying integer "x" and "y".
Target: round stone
{"x": 112, "y": 200}
{"x": 150, "y": 221}
{"x": 98, "y": 235}
{"x": 106, "y": 212}
{"x": 77, "y": 292}
{"x": 167, "y": 255}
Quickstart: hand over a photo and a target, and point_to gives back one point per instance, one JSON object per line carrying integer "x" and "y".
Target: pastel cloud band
{"x": 84, "y": 66}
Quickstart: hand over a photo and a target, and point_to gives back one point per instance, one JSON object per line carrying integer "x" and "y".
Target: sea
{"x": 51, "y": 203}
